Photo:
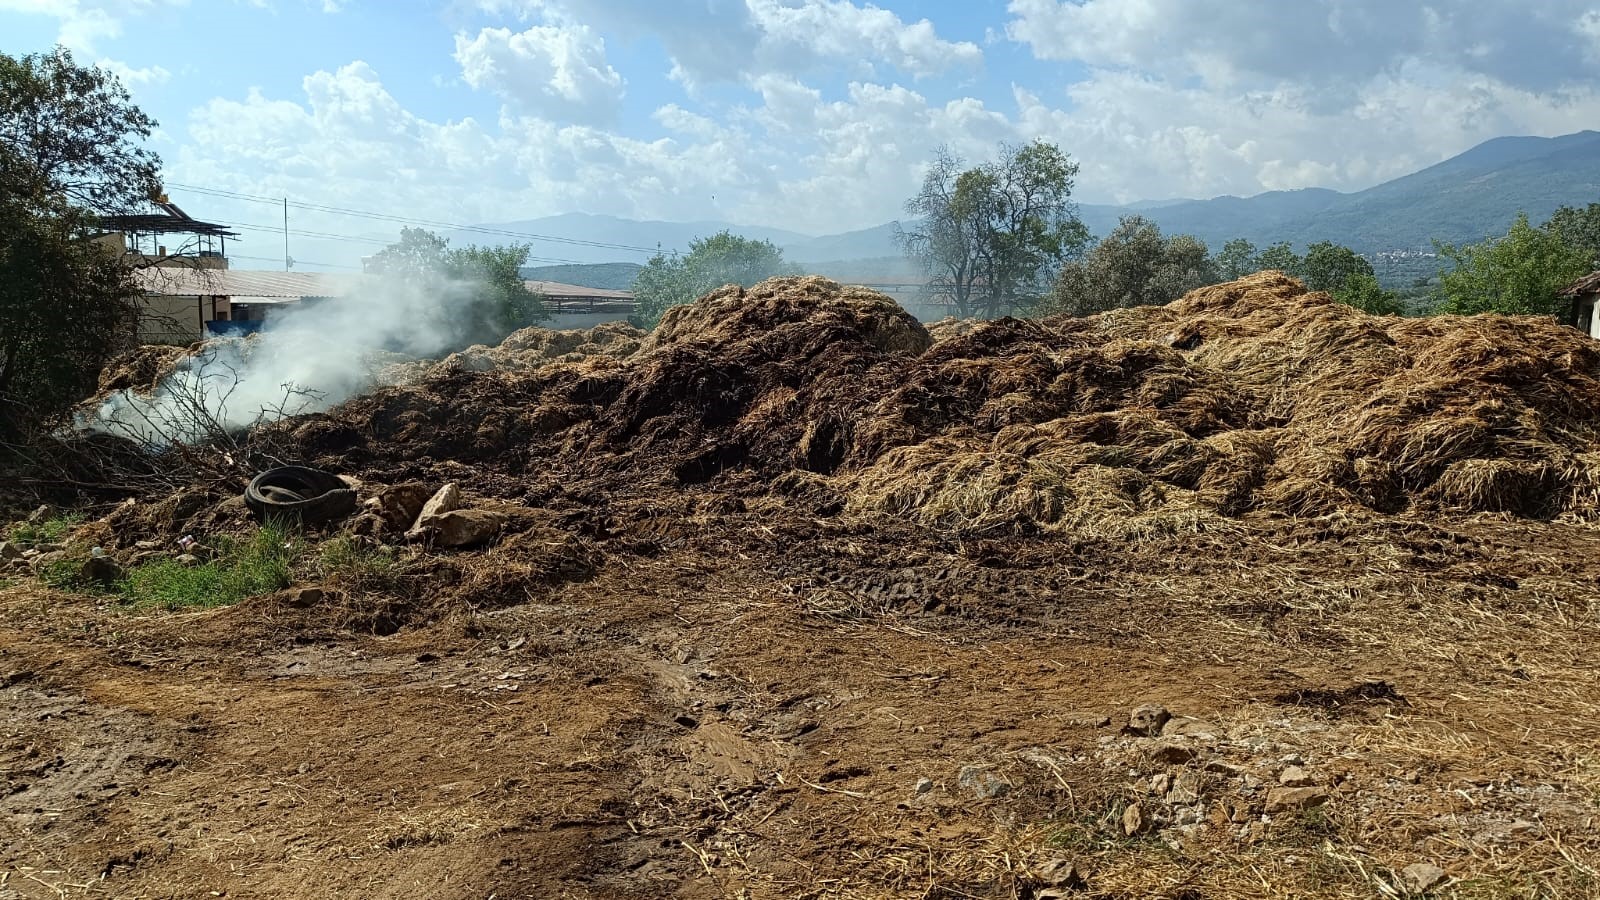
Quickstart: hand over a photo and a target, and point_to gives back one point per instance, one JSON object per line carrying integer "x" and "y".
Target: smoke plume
{"x": 308, "y": 357}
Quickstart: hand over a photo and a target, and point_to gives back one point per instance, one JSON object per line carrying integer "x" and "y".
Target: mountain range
{"x": 1464, "y": 199}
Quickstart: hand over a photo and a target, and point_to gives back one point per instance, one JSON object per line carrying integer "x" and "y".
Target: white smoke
{"x": 308, "y": 357}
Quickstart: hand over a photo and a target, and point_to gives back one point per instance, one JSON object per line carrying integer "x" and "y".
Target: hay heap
{"x": 1252, "y": 397}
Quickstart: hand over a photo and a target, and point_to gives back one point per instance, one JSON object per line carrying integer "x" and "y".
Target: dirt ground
{"x": 774, "y": 704}
{"x": 1253, "y": 595}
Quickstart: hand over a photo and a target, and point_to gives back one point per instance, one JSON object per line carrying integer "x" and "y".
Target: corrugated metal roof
{"x": 1588, "y": 284}
{"x": 561, "y": 290}
{"x": 255, "y": 283}
{"x": 183, "y": 281}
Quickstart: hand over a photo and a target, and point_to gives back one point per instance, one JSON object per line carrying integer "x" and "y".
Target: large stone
{"x": 1294, "y": 776}
{"x": 1420, "y": 878}
{"x": 1171, "y": 753}
{"x": 400, "y": 504}
{"x": 983, "y": 783}
{"x": 101, "y": 570}
{"x": 463, "y": 527}
{"x": 448, "y": 499}
{"x": 45, "y": 560}
{"x": 1288, "y": 799}
{"x": 1146, "y": 721}
{"x": 1134, "y": 821}
{"x": 9, "y": 550}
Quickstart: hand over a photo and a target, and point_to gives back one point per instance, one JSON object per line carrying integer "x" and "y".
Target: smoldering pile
{"x": 1247, "y": 398}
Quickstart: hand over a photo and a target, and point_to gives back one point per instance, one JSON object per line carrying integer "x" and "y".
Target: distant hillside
{"x": 1464, "y": 199}
{"x": 606, "y": 276}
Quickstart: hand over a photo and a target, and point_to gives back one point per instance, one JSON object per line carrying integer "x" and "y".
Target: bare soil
{"x": 785, "y": 706}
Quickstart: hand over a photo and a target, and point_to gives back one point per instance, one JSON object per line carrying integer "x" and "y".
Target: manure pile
{"x": 1251, "y": 397}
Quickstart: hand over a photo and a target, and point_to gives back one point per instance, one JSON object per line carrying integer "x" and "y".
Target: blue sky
{"x": 813, "y": 115}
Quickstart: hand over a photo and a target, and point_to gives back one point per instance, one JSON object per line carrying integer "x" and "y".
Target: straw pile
{"x": 1252, "y": 397}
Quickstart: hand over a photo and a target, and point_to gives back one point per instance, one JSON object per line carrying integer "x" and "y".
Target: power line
{"x": 351, "y": 238}
{"x": 407, "y": 220}
{"x": 305, "y": 262}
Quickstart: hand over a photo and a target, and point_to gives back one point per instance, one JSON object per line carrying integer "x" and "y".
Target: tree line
{"x": 1004, "y": 237}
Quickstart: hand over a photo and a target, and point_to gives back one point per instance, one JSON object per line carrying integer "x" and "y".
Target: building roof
{"x": 262, "y": 286}
{"x": 256, "y": 284}
{"x": 171, "y": 220}
{"x": 1588, "y": 284}
{"x": 556, "y": 290}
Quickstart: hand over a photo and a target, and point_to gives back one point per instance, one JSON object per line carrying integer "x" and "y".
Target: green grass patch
{"x": 351, "y": 561}
{"x": 49, "y": 531}
{"x": 259, "y": 564}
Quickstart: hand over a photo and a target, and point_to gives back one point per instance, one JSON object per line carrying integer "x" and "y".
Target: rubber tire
{"x": 326, "y": 495}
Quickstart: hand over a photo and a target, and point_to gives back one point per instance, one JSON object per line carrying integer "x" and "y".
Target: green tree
{"x": 1328, "y": 266}
{"x": 1282, "y": 257}
{"x": 1237, "y": 259}
{"x": 498, "y": 301}
{"x": 995, "y": 234}
{"x": 1517, "y": 274}
{"x": 1363, "y": 291}
{"x": 712, "y": 262}
{"x": 1579, "y": 228}
{"x": 1134, "y": 266}
{"x": 69, "y": 151}
{"x": 70, "y": 137}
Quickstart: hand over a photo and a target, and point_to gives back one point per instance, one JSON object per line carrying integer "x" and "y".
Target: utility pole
{"x": 287, "y": 262}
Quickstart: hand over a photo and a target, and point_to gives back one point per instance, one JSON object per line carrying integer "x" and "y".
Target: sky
{"x": 817, "y": 116}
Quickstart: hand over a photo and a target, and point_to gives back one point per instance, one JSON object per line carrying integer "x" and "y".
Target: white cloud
{"x": 131, "y": 76}
{"x": 83, "y": 24}
{"x": 712, "y": 41}
{"x": 548, "y": 70}
{"x": 809, "y": 142}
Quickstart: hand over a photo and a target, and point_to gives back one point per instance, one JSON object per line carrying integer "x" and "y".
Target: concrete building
{"x": 1584, "y": 294}
{"x": 162, "y": 248}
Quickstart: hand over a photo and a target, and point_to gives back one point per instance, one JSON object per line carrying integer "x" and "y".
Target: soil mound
{"x": 1251, "y": 397}
{"x": 769, "y": 379}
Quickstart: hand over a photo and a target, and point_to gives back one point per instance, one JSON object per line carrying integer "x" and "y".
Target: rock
{"x": 1184, "y": 725}
{"x": 368, "y": 524}
{"x": 1086, "y": 720}
{"x": 1292, "y": 798}
{"x": 1171, "y": 753}
{"x": 187, "y": 559}
{"x": 1420, "y": 878}
{"x": 101, "y": 570}
{"x": 1146, "y": 721}
{"x": 1186, "y": 788}
{"x": 1134, "y": 821}
{"x": 146, "y": 545}
{"x": 1294, "y": 776}
{"x": 924, "y": 785}
{"x": 1187, "y": 815}
{"x": 46, "y": 560}
{"x": 39, "y": 515}
{"x": 464, "y": 527}
{"x": 9, "y": 550}
{"x": 984, "y": 783}
{"x": 1061, "y": 873}
{"x": 1160, "y": 783}
{"x": 306, "y": 597}
{"x": 1221, "y": 768}
{"x": 400, "y": 505}
{"x": 446, "y": 499}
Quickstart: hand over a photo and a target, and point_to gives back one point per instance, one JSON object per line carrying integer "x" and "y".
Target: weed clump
{"x": 260, "y": 563}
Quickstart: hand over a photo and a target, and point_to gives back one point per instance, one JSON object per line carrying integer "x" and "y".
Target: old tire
{"x": 299, "y": 494}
